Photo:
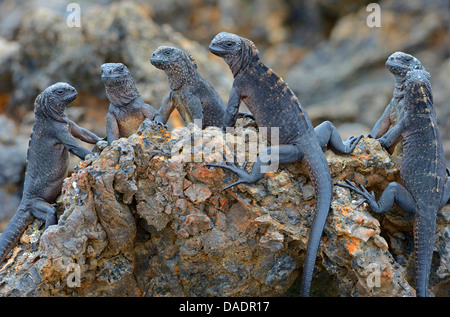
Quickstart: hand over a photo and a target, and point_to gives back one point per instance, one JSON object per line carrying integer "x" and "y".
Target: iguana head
{"x": 400, "y": 63}
{"x": 52, "y": 102}
{"x": 236, "y": 51}
{"x": 114, "y": 74}
{"x": 120, "y": 86}
{"x": 179, "y": 66}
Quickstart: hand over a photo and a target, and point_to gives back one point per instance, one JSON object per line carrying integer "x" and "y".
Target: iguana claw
{"x": 244, "y": 177}
{"x": 351, "y": 143}
{"x": 367, "y": 197}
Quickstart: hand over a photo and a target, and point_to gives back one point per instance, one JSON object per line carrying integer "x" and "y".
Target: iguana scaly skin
{"x": 190, "y": 93}
{"x": 425, "y": 187}
{"x": 274, "y": 105}
{"x": 47, "y": 161}
{"x": 127, "y": 109}
{"x": 399, "y": 64}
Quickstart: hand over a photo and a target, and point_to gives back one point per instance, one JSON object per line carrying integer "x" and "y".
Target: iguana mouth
{"x": 396, "y": 68}
{"x": 392, "y": 64}
{"x": 217, "y": 51}
{"x": 112, "y": 79}
{"x": 158, "y": 63}
{"x": 71, "y": 97}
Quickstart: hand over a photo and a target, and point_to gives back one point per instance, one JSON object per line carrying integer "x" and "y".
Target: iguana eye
{"x": 120, "y": 68}
{"x": 167, "y": 52}
{"x": 229, "y": 44}
{"x": 60, "y": 92}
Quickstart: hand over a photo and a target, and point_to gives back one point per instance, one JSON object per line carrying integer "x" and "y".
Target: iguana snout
{"x": 225, "y": 44}
{"x": 163, "y": 56}
{"x": 114, "y": 73}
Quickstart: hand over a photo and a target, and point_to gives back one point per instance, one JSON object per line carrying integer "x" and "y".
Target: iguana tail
{"x": 424, "y": 233}
{"x": 13, "y": 231}
{"x": 321, "y": 177}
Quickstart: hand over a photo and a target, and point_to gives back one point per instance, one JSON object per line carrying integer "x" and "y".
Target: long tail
{"x": 321, "y": 177}
{"x": 424, "y": 233}
{"x": 13, "y": 231}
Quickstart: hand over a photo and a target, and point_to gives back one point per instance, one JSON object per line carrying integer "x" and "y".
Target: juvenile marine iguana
{"x": 399, "y": 64}
{"x": 127, "y": 109}
{"x": 273, "y": 104}
{"x": 425, "y": 187}
{"x": 190, "y": 93}
{"x": 47, "y": 161}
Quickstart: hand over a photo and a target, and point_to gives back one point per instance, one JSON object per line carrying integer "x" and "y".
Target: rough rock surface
{"x": 145, "y": 217}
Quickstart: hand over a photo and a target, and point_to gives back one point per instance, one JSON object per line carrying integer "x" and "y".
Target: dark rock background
{"x": 325, "y": 51}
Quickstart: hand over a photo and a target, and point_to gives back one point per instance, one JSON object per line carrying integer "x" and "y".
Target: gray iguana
{"x": 399, "y": 64}
{"x": 47, "y": 161}
{"x": 424, "y": 187}
{"x": 127, "y": 109}
{"x": 274, "y": 105}
{"x": 190, "y": 93}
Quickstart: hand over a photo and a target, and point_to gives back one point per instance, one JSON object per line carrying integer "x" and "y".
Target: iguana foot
{"x": 368, "y": 197}
{"x": 351, "y": 143}
{"x": 244, "y": 176}
{"x": 383, "y": 142}
{"x": 328, "y": 135}
{"x": 162, "y": 125}
{"x": 246, "y": 115}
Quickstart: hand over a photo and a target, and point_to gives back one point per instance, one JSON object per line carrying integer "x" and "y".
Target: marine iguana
{"x": 190, "y": 93}
{"x": 127, "y": 109}
{"x": 47, "y": 161}
{"x": 399, "y": 64}
{"x": 274, "y": 105}
{"x": 425, "y": 187}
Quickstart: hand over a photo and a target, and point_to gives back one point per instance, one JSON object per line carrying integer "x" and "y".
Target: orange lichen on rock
{"x": 352, "y": 244}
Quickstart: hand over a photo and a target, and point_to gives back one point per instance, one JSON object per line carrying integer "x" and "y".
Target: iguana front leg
{"x": 195, "y": 107}
{"x": 382, "y": 125}
{"x": 394, "y": 192}
{"x": 112, "y": 128}
{"x": 328, "y": 135}
{"x": 148, "y": 111}
{"x": 83, "y": 134}
{"x": 390, "y": 139}
{"x": 232, "y": 110}
{"x": 165, "y": 110}
{"x": 70, "y": 143}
